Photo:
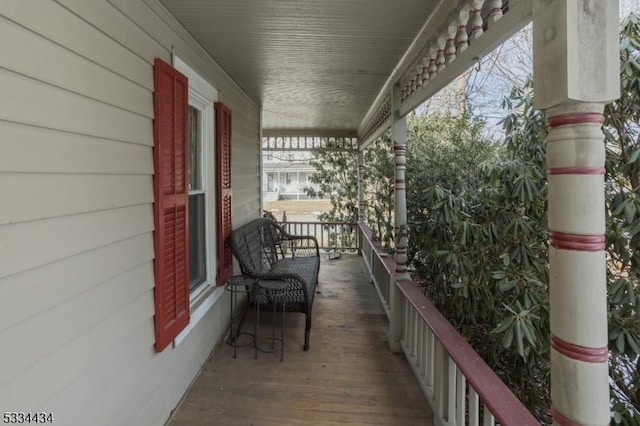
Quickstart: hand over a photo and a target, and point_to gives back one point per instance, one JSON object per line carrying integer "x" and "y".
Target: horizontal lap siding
{"x": 245, "y": 158}
{"x": 65, "y": 194}
{"x": 76, "y": 222}
{"x": 49, "y": 152}
{"x": 246, "y": 128}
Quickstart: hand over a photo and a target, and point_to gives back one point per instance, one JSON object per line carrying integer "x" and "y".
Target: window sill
{"x": 201, "y": 302}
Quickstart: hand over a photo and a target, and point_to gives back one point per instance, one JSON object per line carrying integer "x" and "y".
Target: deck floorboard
{"x": 348, "y": 376}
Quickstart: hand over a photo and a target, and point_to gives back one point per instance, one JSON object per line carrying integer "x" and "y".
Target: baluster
{"x": 418, "y": 76}
{"x": 440, "y": 59}
{"x": 425, "y": 71}
{"x": 461, "y": 398}
{"x": 488, "y": 419}
{"x": 413, "y": 84}
{"x": 496, "y": 12}
{"x": 462, "y": 38}
{"x": 418, "y": 360}
{"x": 416, "y": 329}
{"x": 451, "y": 394}
{"x": 451, "y": 46}
{"x": 408, "y": 313}
{"x": 474, "y": 407}
{"x": 405, "y": 324}
{"x": 440, "y": 390}
{"x": 412, "y": 334}
{"x": 476, "y": 18}
{"x": 430, "y": 358}
{"x": 433, "y": 69}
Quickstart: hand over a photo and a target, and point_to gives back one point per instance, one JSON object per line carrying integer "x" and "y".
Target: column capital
{"x": 576, "y": 54}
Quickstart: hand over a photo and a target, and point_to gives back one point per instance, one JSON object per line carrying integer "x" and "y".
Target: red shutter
{"x": 171, "y": 195}
{"x": 223, "y": 185}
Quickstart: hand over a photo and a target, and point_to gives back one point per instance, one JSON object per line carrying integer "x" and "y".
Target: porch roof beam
{"x": 442, "y": 10}
{"x": 310, "y": 150}
{"x": 376, "y": 134}
{"x": 519, "y": 15}
{"x": 321, "y": 133}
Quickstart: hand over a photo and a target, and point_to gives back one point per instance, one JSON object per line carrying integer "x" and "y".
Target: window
{"x": 197, "y": 203}
{"x": 271, "y": 182}
{"x": 202, "y": 185}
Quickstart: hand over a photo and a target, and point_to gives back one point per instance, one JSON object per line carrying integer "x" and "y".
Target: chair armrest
{"x": 303, "y": 246}
{"x": 294, "y": 281}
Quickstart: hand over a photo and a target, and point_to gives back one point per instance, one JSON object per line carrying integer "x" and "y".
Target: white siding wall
{"x": 76, "y": 213}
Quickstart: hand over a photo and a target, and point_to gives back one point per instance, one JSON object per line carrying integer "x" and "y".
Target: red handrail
{"x": 385, "y": 258}
{"x": 494, "y": 393}
{"x": 502, "y": 403}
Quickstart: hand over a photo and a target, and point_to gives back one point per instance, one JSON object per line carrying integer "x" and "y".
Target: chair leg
{"x": 307, "y": 329}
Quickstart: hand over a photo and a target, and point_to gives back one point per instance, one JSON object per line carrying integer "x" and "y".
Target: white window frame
{"x": 202, "y": 95}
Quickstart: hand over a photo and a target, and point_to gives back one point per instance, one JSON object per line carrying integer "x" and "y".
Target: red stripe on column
{"x": 561, "y": 419}
{"x": 578, "y": 242}
{"x": 575, "y": 170}
{"x": 579, "y": 353}
{"x": 573, "y": 119}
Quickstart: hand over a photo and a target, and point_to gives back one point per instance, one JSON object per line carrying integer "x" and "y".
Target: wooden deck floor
{"x": 347, "y": 377}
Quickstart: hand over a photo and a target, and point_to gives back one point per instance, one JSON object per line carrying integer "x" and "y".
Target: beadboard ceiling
{"x": 310, "y": 64}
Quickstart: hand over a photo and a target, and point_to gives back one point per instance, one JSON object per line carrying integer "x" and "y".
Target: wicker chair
{"x": 265, "y": 251}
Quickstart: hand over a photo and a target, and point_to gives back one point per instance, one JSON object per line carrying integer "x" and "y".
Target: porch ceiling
{"x": 311, "y": 64}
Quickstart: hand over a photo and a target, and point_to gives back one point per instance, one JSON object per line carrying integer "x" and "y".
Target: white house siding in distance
{"x": 76, "y": 216}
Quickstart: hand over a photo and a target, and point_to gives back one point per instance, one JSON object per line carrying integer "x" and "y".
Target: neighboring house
{"x": 286, "y": 166}
{"x": 286, "y": 175}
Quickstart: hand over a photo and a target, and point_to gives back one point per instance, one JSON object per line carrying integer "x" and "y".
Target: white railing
{"x": 460, "y": 387}
{"x": 379, "y": 264}
{"x": 338, "y": 236}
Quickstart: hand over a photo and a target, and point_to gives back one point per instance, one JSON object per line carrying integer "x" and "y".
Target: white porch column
{"x": 399, "y": 134}
{"x": 360, "y": 185}
{"x": 399, "y": 131}
{"x": 360, "y": 196}
{"x": 576, "y": 71}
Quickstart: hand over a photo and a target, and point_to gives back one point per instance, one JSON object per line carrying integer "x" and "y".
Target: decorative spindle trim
{"x": 476, "y": 23}
{"x": 579, "y": 353}
{"x": 575, "y": 119}
{"x": 577, "y": 242}
{"x": 561, "y": 419}
{"x": 575, "y": 170}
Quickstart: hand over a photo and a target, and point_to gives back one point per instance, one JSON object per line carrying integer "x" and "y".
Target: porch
{"x": 98, "y": 311}
{"x": 431, "y": 376}
{"x": 347, "y": 376}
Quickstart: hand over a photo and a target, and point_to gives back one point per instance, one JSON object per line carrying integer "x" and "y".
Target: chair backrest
{"x": 254, "y": 246}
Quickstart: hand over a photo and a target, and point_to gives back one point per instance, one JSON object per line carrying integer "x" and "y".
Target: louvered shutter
{"x": 171, "y": 194}
{"x": 223, "y": 186}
